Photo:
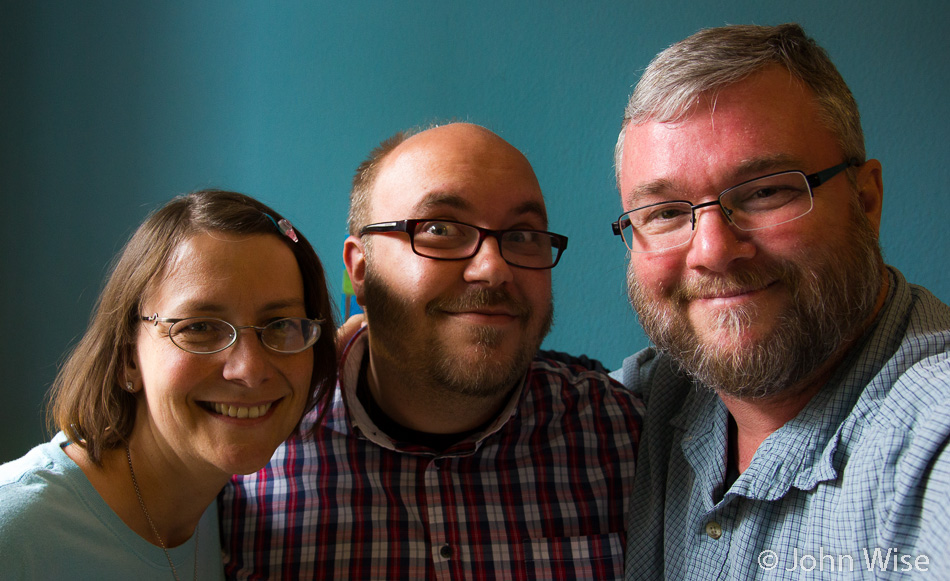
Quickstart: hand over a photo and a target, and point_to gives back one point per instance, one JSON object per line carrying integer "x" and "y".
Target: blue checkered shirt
{"x": 857, "y": 486}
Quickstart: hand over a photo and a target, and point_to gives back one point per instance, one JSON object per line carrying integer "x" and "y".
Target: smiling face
{"x": 786, "y": 297}
{"x": 469, "y": 325}
{"x": 199, "y": 408}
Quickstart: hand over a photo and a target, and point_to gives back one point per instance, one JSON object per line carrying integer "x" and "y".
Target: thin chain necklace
{"x": 138, "y": 494}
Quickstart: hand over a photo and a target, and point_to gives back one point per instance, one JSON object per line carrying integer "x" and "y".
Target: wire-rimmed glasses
{"x": 756, "y": 204}
{"x": 207, "y": 335}
{"x": 451, "y": 240}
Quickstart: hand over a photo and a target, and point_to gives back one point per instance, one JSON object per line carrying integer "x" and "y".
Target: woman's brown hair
{"x": 87, "y": 400}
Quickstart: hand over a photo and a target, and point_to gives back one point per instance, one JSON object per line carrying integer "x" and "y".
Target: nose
{"x": 248, "y": 361}
{"x": 716, "y": 243}
{"x": 488, "y": 266}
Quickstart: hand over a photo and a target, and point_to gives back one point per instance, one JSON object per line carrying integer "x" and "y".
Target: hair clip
{"x": 285, "y": 227}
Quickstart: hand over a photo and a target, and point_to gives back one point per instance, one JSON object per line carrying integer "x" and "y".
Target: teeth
{"x": 241, "y": 412}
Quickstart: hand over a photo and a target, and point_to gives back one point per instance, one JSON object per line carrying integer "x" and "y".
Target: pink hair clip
{"x": 285, "y": 227}
{"x": 288, "y": 229}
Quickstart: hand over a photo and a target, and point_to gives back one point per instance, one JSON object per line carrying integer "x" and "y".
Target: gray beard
{"x": 830, "y": 302}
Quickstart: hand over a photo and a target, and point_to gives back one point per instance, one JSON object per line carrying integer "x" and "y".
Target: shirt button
{"x": 713, "y": 530}
{"x": 446, "y": 552}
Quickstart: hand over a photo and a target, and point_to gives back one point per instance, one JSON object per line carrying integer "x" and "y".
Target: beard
{"x": 833, "y": 292}
{"x": 475, "y": 367}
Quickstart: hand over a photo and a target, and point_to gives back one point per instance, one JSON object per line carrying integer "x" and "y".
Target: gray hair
{"x": 715, "y": 58}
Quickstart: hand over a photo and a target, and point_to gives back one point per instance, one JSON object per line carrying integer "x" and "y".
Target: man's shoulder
{"x": 911, "y": 393}
{"x": 578, "y": 392}
{"x": 928, "y": 327}
{"x": 913, "y": 383}
{"x": 578, "y": 373}
{"x": 649, "y": 371}
{"x": 566, "y": 360}
{"x": 564, "y": 369}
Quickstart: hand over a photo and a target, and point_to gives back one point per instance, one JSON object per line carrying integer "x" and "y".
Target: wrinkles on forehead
{"x": 670, "y": 187}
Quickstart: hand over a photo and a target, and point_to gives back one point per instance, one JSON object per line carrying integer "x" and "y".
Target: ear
{"x": 130, "y": 371}
{"x": 354, "y": 257}
{"x": 871, "y": 192}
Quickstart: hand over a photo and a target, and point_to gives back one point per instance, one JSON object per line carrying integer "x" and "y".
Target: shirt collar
{"x": 359, "y": 420}
{"x": 808, "y": 449}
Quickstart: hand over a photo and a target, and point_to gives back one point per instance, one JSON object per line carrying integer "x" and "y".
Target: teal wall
{"x": 108, "y": 109}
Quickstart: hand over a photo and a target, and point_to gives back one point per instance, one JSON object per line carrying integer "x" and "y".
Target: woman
{"x": 212, "y": 336}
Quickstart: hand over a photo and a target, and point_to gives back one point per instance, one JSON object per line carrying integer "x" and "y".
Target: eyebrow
{"x": 759, "y": 166}
{"x": 438, "y": 200}
{"x": 745, "y": 170}
{"x": 198, "y": 306}
{"x": 650, "y": 189}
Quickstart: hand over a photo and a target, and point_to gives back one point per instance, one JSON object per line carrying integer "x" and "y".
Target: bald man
{"x": 452, "y": 449}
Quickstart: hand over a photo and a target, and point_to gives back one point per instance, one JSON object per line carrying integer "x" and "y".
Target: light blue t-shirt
{"x": 857, "y": 486}
{"x": 54, "y": 525}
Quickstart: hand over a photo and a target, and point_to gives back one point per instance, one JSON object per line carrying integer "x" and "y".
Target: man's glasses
{"x": 205, "y": 335}
{"x": 756, "y": 204}
{"x": 450, "y": 240}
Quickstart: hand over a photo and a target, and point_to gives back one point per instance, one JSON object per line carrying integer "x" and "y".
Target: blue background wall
{"x": 108, "y": 109}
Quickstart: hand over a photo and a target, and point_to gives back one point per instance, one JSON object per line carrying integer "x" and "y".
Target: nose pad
{"x": 716, "y": 242}
{"x": 724, "y": 212}
{"x": 727, "y": 213}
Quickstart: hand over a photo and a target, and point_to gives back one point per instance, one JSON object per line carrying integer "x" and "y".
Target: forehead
{"x": 219, "y": 270}
{"x": 768, "y": 122}
{"x": 468, "y": 172}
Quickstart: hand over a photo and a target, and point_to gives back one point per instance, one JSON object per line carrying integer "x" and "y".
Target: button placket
{"x": 437, "y": 517}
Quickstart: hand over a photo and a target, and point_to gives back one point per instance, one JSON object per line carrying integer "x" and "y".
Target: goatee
{"x": 481, "y": 369}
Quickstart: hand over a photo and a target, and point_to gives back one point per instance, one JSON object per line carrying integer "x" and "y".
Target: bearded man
{"x": 452, "y": 450}
{"x": 798, "y": 393}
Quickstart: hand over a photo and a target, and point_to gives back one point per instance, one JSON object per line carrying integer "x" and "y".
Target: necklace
{"x": 138, "y": 494}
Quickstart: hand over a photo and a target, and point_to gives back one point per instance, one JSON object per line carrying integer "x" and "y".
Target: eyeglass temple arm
{"x": 619, "y": 224}
{"x": 398, "y": 226}
{"x": 821, "y": 177}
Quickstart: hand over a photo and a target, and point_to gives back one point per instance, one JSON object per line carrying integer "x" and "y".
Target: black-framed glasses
{"x": 207, "y": 335}
{"x": 451, "y": 240}
{"x": 755, "y": 204}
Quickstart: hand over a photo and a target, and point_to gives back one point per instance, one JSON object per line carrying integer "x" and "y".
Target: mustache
{"x": 479, "y": 298}
{"x": 735, "y": 282}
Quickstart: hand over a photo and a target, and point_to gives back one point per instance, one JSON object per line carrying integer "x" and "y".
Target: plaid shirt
{"x": 861, "y": 475}
{"x": 540, "y": 494}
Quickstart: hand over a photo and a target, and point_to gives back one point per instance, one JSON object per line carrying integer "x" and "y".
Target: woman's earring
{"x": 129, "y": 387}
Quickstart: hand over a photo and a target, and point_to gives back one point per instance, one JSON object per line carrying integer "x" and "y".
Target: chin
{"x": 733, "y": 338}
{"x": 245, "y": 459}
{"x": 246, "y": 466}
{"x": 735, "y": 325}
